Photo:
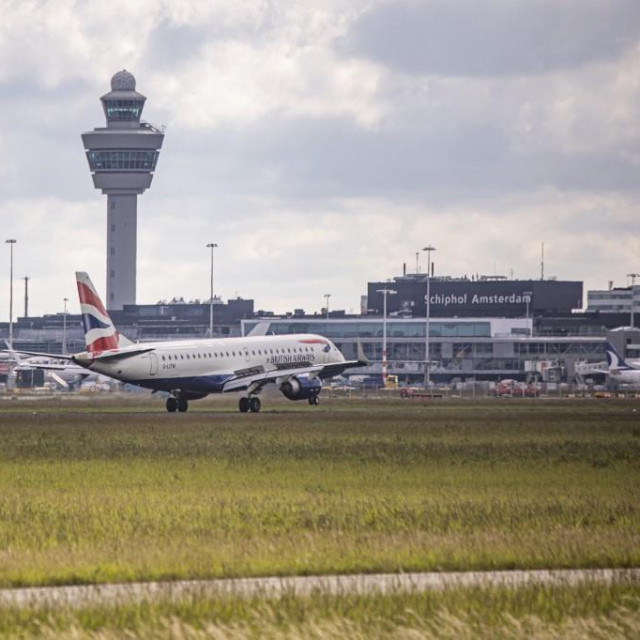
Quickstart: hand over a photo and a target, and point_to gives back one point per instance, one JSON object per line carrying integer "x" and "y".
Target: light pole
{"x": 527, "y": 300}
{"x": 633, "y": 277}
{"x": 26, "y": 296}
{"x": 326, "y": 297}
{"x": 427, "y": 372}
{"x": 64, "y": 327}
{"x": 11, "y": 242}
{"x": 211, "y": 246}
{"x": 384, "y": 293}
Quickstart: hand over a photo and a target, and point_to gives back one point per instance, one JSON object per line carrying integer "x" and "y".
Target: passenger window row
{"x": 215, "y": 354}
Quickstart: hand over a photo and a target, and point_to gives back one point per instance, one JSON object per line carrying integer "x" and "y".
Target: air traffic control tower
{"x": 122, "y": 158}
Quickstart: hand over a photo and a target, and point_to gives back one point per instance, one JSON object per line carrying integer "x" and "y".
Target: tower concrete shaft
{"x": 122, "y": 158}
{"x": 121, "y": 248}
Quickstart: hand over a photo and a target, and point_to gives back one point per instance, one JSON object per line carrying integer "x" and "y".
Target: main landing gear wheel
{"x": 252, "y": 404}
{"x": 183, "y": 405}
{"x": 314, "y": 400}
{"x": 171, "y": 404}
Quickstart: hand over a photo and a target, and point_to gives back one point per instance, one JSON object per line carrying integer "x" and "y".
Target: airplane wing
{"x": 261, "y": 375}
{"x": 335, "y": 369}
{"x": 257, "y": 377}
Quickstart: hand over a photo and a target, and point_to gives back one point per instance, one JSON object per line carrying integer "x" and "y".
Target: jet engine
{"x": 301, "y": 387}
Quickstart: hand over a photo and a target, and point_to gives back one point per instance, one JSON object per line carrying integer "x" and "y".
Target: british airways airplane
{"x": 188, "y": 370}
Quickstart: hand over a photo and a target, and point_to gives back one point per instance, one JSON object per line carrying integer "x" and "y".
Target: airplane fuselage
{"x": 625, "y": 376}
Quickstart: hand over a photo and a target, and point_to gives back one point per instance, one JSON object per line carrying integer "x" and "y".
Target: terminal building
{"x": 460, "y": 349}
{"x": 484, "y": 296}
{"x": 481, "y": 328}
{"x": 614, "y": 300}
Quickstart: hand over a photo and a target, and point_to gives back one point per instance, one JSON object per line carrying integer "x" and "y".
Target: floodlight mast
{"x": 212, "y": 246}
{"x": 384, "y": 293}
{"x": 11, "y": 242}
{"x": 633, "y": 277}
{"x": 527, "y": 300}
{"x": 427, "y": 368}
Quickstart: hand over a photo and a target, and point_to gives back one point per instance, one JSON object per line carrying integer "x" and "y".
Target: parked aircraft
{"x": 188, "y": 370}
{"x": 57, "y": 369}
{"x": 619, "y": 370}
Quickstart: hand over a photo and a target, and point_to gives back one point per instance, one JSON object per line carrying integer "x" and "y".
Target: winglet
{"x": 259, "y": 330}
{"x": 362, "y": 356}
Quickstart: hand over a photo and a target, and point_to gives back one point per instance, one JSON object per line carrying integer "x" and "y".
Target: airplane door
{"x": 247, "y": 357}
{"x": 153, "y": 364}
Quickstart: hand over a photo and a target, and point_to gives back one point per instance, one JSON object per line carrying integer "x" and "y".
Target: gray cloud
{"x": 170, "y": 46}
{"x": 305, "y": 159}
{"x": 494, "y": 37}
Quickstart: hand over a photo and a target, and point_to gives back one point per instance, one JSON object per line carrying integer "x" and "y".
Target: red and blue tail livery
{"x": 99, "y": 332}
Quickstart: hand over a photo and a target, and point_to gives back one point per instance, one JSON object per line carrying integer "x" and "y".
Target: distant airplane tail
{"x": 18, "y": 357}
{"x": 614, "y": 359}
{"x": 100, "y": 333}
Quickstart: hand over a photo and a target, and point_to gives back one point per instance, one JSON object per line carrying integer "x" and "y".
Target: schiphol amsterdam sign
{"x": 445, "y": 300}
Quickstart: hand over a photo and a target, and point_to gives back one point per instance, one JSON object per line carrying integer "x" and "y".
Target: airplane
{"x": 192, "y": 369}
{"x": 63, "y": 373}
{"x": 619, "y": 370}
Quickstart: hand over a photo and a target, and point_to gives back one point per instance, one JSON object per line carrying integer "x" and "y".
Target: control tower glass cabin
{"x": 122, "y": 158}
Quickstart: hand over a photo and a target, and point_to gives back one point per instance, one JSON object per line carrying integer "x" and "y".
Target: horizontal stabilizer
{"x": 55, "y": 356}
{"x": 112, "y": 356}
{"x": 46, "y": 366}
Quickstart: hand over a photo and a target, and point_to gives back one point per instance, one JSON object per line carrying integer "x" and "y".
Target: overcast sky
{"x": 321, "y": 144}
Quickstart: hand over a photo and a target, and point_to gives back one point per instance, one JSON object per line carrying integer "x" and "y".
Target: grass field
{"x": 109, "y": 492}
{"x": 535, "y": 612}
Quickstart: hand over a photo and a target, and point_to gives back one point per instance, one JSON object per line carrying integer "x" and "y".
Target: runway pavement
{"x": 274, "y": 587}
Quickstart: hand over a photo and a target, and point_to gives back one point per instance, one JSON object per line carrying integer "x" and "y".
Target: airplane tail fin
{"x": 614, "y": 359}
{"x": 99, "y": 331}
{"x": 17, "y": 357}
